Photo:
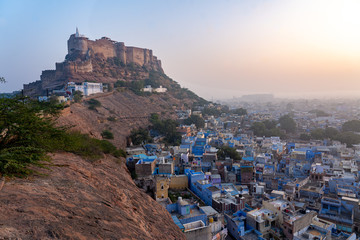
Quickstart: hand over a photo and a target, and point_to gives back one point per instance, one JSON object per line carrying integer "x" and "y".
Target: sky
{"x": 218, "y": 49}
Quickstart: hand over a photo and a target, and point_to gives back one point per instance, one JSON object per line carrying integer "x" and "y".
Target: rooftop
{"x": 209, "y": 211}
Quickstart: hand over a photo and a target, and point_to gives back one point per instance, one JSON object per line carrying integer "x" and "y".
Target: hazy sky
{"x": 218, "y": 49}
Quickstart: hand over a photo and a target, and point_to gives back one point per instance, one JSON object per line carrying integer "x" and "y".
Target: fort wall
{"x": 103, "y": 46}
{"x": 77, "y": 43}
{"x": 121, "y": 51}
{"x": 79, "y": 61}
{"x": 76, "y": 67}
{"x": 107, "y": 48}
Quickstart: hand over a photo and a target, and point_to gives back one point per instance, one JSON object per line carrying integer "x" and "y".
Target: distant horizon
{"x": 292, "y": 49}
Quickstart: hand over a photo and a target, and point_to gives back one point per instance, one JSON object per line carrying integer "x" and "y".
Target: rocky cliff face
{"x": 77, "y": 199}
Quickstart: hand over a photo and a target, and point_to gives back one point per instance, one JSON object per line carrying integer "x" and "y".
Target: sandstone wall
{"x": 32, "y": 89}
{"x": 121, "y": 51}
{"x": 136, "y": 55}
{"x": 77, "y": 43}
{"x": 108, "y": 49}
{"x": 103, "y": 46}
{"x": 47, "y": 78}
{"x": 77, "y": 67}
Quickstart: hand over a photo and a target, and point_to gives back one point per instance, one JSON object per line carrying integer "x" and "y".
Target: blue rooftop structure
{"x": 143, "y": 157}
{"x": 185, "y": 146}
{"x": 250, "y": 159}
{"x": 237, "y": 138}
{"x": 177, "y": 222}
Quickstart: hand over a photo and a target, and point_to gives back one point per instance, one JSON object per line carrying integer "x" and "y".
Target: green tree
{"x": 351, "y": 126}
{"x": 227, "y": 151}
{"x": 120, "y": 83}
{"x": 167, "y": 127}
{"x": 331, "y": 132}
{"x": 287, "y": 123}
{"x": 269, "y": 124}
{"x": 136, "y": 86}
{"x": 110, "y": 87}
{"x": 77, "y": 96}
{"x": 305, "y": 137}
{"x": 195, "y": 119}
{"x": 93, "y": 104}
{"x": 107, "y": 134}
{"x": 26, "y": 132}
{"x": 274, "y": 132}
{"x": 318, "y": 134}
{"x": 139, "y": 136}
{"x": 239, "y": 111}
{"x": 349, "y": 138}
{"x": 259, "y": 128}
{"x": 319, "y": 113}
{"x": 211, "y": 111}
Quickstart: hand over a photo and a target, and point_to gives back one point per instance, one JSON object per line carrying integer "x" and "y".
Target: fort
{"x": 90, "y": 60}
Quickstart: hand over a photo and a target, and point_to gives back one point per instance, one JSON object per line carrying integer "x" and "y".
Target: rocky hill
{"x": 77, "y": 199}
{"x": 120, "y": 112}
{"x": 106, "y": 61}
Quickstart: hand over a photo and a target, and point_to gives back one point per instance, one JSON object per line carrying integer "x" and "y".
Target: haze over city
{"x": 218, "y": 49}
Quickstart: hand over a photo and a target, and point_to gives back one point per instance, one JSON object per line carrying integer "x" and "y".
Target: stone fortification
{"x": 108, "y": 48}
{"x": 102, "y": 60}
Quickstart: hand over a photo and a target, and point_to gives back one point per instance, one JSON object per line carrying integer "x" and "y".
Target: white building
{"x": 160, "y": 89}
{"x": 148, "y": 88}
{"x": 86, "y": 88}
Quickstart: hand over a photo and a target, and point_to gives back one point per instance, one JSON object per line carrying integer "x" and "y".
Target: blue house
{"x": 237, "y": 227}
{"x": 184, "y": 212}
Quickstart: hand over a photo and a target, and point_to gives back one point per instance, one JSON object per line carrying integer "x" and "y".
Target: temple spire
{"x": 77, "y": 33}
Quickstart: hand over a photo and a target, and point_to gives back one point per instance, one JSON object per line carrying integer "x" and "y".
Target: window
{"x": 267, "y": 223}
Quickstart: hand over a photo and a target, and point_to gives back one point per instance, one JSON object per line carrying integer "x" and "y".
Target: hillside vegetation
{"x": 28, "y": 133}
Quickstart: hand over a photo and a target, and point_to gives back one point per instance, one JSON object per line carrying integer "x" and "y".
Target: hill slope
{"x": 120, "y": 112}
{"x": 82, "y": 200}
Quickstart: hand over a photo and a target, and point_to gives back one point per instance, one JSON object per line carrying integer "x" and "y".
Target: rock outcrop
{"x": 77, "y": 199}
{"x": 102, "y": 60}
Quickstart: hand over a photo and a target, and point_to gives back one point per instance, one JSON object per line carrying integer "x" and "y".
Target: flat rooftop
{"x": 279, "y": 203}
{"x": 209, "y": 211}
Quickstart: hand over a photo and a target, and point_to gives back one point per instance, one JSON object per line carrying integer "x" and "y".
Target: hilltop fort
{"x": 102, "y": 60}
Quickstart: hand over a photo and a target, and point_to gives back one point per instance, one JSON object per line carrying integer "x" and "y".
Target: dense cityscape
{"x": 224, "y": 179}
